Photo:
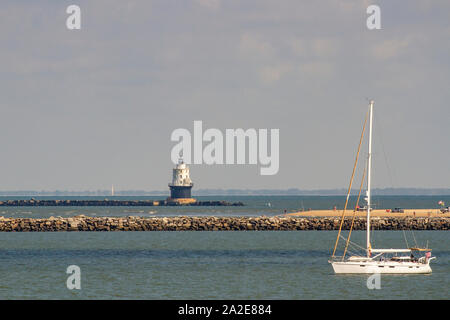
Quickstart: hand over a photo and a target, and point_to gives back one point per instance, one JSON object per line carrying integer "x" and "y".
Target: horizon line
{"x": 231, "y": 192}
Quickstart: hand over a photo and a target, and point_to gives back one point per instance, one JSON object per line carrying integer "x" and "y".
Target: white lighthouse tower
{"x": 181, "y": 185}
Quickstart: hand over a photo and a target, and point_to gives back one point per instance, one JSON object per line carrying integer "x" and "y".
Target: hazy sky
{"x": 84, "y": 109}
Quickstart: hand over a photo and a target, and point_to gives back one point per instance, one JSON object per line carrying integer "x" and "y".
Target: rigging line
{"x": 404, "y": 235}
{"x": 378, "y": 125}
{"x": 354, "y": 212}
{"x": 350, "y": 185}
{"x": 373, "y": 238}
{"x": 379, "y": 128}
{"x": 353, "y": 243}
{"x": 353, "y": 246}
{"x": 353, "y": 253}
{"x": 414, "y": 237}
{"x": 354, "y": 249}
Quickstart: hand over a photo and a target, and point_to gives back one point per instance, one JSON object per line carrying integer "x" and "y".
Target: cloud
{"x": 298, "y": 46}
{"x": 139, "y": 69}
{"x": 324, "y": 47}
{"x": 317, "y": 69}
{"x": 255, "y": 46}
{"x": 273, "y": 73}
{"x": 313, "y": 47}
{"x": 210, "y": 4}
{"x": 389, "y": 49}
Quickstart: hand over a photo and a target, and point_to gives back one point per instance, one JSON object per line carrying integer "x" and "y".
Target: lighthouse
{"x": 181, "y": 185}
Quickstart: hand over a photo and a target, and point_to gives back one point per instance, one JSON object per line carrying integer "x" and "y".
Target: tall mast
{"x": 369, "y": 167}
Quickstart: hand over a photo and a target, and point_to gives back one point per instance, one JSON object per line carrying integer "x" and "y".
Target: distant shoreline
{"x": 233, "y": 192}
{"x": 114, "y": 203}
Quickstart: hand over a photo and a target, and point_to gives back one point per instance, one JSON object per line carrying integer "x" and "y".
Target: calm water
{"x": 204, "y": 265}
{"x": 208, "y": 265}
{"x": 254, "y": 206}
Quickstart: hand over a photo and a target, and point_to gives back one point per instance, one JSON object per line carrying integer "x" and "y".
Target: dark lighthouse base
{"x": 181, "y": 194}
{"x": 177, "y": 192}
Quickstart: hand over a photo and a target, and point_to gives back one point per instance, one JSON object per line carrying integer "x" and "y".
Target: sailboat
{"x": 394, "y": 261}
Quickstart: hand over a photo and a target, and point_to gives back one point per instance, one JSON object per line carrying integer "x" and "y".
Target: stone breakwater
{"x": 110, "y": 203}
{"x": 132, "y": 223}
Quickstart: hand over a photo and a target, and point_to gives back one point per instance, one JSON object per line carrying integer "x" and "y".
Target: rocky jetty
{"x": 209, "y": 223}
{"x": 110, "y": 203}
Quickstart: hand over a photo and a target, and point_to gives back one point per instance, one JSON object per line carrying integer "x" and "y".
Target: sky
{"x": 85, "y": 109}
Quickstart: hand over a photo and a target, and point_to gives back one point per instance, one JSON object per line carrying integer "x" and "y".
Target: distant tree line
{"x": 233, "y": 192}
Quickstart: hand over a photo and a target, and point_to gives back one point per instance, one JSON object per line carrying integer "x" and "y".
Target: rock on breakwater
{"x": 210, "y": 223}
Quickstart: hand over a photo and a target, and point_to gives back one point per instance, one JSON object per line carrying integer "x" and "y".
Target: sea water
{"x": 253, "y": 206}
{"x": 206, "y": 264}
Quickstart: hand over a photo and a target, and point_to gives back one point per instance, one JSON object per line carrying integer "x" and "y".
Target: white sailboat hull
{"x": 389, "y": 267}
